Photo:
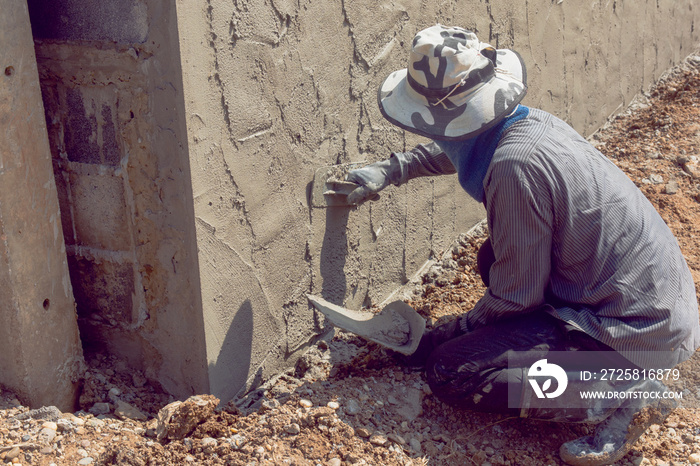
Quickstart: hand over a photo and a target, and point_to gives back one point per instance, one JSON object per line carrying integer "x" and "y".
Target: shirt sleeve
{"x": 424, "y": 160}
{"x": 520, "y": 224}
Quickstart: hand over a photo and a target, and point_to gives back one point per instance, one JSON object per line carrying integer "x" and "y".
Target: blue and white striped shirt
{"x": 570, "y": 229}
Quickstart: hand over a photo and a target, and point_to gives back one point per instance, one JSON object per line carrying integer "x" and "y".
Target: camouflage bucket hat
{"x": 455, "y": 87}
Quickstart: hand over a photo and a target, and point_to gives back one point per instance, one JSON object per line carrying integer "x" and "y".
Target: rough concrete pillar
{"x": 40, "y": 352}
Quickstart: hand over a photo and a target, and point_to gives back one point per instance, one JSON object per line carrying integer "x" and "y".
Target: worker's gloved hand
{"x": 432, "y": 340}
{"x": 373, "y": 178}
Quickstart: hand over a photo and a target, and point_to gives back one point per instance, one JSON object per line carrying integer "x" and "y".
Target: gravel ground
{"x": 349, "y": 401}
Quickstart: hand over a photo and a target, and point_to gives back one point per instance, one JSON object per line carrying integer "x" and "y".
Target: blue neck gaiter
{"x": 472, "y": 157}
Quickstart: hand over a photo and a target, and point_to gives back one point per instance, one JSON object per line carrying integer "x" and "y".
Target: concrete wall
{"x": 110, "y": 75}
{"x": 185, "y": 137}
{"x": 275, "y": 88}
{"x": 40, "y": 354}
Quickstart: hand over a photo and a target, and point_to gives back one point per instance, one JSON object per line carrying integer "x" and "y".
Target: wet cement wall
{"x": 185, "y": 137}
{"x": 274, "y": 89}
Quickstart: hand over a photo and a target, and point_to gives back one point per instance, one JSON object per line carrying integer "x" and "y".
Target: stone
{"x": 46, "y": 435}
{"x": 268, "y": 405}
{"x": 176, "y": 420}
{"x": 100, "y": 408}
{"x": 352, "y": 407}
{"x": 656, "y": 178}
{"x": 86, "y": 460}
{"x": 334, "y": 462}
{"x": 126, "y": 411}
{"x": 396, "y": 438}
{"x": 46, "y": 413}
{"x": 292, "y": 429}
{"x": 694, "y": 458}
{"x": 333, "y": 405}
{"x": 378, "y": 439}
{"x": 671, "y": 187}
{"x": 362, "y": 432}
{"x": 12, "y": 454}
{"x": 65, "y": 425}
{"x": 305, "y": 403}
{"x": 692, "y": 167}
{"x": 96, "y": 423}
{"x": 415, "y": 445}
{"x": 237, "y": 441}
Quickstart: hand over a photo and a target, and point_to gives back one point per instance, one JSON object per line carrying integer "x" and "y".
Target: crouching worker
{"x": 577, "y": 259}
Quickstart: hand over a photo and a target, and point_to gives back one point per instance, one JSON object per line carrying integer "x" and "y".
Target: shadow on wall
{"x": 334, "y": 253}
{"x": 234, "y": 359}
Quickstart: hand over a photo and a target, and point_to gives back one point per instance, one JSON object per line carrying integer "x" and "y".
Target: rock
{"x": 113, "y": 394}
{"x": 489, "y": 451}
{"x": 292, "y": 429}
{"x": 47, "y": 413}
{"x": 12, "y": 454}
{"x": 64, "y": 425}
{"x": 656, "y": 178}
{"x": 334, "y": 462}
{"x": 378, "y": 439}
{"x": 333, "y": 405}
{"x": 138, "y": 379}
{"x": 305, "y": 403}
{"x": 96, "y": 423}
{"x": 352, "y": 407}
{"x": 362, "y": 432}
{"x": 46, "y": 435}
{"x": 100, "y": 408}
{"x": 237, "y": 441}
{"x": 694, "y": 458}
{"x": 415, "y": 445}
{"x": 209, "y": 444}
{"x": 268, "y": 405}
{"x": 126, "y": 411}
{"x": 692, "y": 167}
{"x": 396, "y": 438}
{"x": 176, "y": 420}
{"x": 411, "y": 404}
{"x": 671, "y": 187}
{"x": 86, "y": 460}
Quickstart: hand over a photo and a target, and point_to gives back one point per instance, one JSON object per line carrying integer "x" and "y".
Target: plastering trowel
{"x": 329, "y": 188}
{"x": 398, "y": 326}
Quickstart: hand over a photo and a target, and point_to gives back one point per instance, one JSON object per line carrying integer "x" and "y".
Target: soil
{"x": 349, "y": 401}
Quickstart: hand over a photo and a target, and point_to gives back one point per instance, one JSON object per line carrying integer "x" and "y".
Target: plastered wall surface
{"x": 40, "y": 354}
{"x": 274, "y": 89}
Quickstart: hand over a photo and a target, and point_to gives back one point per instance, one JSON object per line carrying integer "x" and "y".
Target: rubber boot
{"x": 614, "y": 437}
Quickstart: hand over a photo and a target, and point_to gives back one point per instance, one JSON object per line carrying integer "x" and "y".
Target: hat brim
{"x": 461, "y": 116}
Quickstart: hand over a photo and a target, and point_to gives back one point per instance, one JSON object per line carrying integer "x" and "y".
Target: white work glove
{"x": 373, "y": 178}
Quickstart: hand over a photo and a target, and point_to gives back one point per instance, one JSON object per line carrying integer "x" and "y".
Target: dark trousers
{"x": 472, "y": 371}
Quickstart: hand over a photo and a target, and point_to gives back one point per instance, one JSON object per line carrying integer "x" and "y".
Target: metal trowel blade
{"x": 329, "y": 187}
{"x": 385, "y": 328}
